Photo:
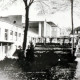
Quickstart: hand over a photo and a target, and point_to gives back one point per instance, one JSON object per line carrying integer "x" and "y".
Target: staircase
{"x": 53, "y": 52}
{"x": 56, "y": 47}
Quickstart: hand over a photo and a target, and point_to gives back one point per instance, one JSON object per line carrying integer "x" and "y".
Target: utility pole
{"x": 72, "y": 27}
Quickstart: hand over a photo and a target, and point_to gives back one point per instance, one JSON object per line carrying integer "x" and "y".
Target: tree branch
{"x": 42, "y": 2}
{"x": 45, "y": 4}
{"x": 25, "y": 2}
{"x": 31, "y": 1}
{"x": 6, "y": 3}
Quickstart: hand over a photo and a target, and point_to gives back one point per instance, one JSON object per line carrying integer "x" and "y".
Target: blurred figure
{"x": 30, "y": 53}
{"x": 77, "y": 53}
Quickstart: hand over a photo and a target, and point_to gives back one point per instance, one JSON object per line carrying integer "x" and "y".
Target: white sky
{"x": 15, "y": 9}
{"x": 61, "y": 18}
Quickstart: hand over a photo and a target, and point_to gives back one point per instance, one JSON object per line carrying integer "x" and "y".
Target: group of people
{"x": 29, "y": 53}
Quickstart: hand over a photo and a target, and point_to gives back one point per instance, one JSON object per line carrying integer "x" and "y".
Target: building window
{"x": 11, "y": 32}
{"x": 16, "y": 35}
{"x": 19, "y": 34}
{"x": 6, "y": 34}
{"x": 14, "y": 22}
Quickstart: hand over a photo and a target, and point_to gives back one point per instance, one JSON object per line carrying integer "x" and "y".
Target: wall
{"x": 54, "y": 32}
{"x": 9, "y": 42}
{"x": 58, "y": 31}
{"x": 48, "y": 30}
{"x": 42, "y": 29}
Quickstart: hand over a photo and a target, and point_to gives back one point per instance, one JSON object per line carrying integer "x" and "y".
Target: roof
{"x": 52, "y": 24}
{"x": 35, "y": 24}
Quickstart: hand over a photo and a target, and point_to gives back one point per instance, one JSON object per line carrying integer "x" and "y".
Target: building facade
{"x": 11, "y": 37}
{"x": 39, "y": 30}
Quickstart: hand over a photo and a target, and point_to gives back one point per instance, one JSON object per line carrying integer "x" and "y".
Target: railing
{"x": 52, "y": 40}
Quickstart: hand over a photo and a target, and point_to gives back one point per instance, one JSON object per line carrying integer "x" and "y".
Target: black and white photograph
{"x": 39, "y": 39}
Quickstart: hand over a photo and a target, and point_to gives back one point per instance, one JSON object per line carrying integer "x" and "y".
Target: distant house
{"x": 77, "y": 31}
{"x": 11, "y": 35}
{"x": 65, "y": 32}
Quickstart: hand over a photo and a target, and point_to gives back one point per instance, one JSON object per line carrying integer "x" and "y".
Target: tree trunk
{"x": 26, "y": 28}
{"x": 72, "y": 27}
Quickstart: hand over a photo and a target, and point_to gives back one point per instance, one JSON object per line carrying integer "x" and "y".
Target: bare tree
{"x": 27, "y": 6}
{"x": 28, "y": 3}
